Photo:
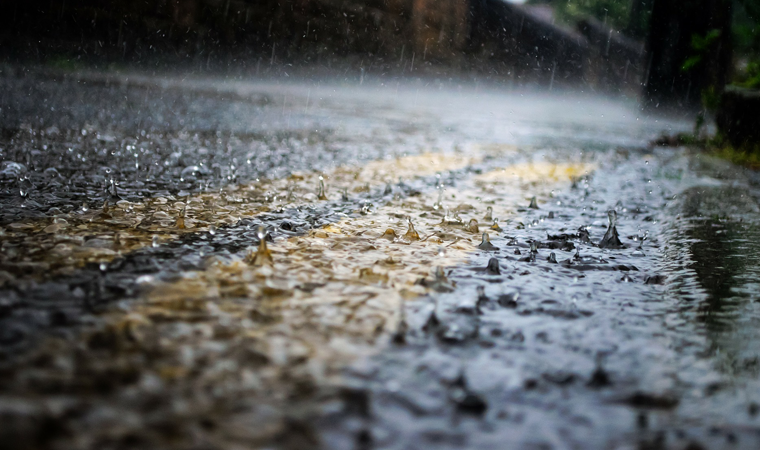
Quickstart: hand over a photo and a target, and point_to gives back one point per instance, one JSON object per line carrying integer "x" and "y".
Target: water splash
{"x": 492, "y": 267}
{"x": 321, "y": 192}
{"x": 533, "y": 203}
{"x": 389, "y": 234}
{"x": 261, "y": 256}
{"x": 489, "y": 214}
{"x": 411, "y": 233}
{"x": 439, "y": 203}
{"x": 486, "y": 245}
{"x": 611, "y": 238}
{"x": 472, "y": 226}
{"x": 180, "y": 223}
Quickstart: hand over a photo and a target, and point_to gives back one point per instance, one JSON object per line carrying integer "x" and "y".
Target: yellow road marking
{"x": 276, "y": 333}
{"x": 58, "y": 246}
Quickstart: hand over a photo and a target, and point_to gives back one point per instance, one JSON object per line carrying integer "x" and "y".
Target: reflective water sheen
{"x": 232, "y": 264}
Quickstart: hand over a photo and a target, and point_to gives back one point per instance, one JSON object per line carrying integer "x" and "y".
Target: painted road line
{"x": 98, "y": 234}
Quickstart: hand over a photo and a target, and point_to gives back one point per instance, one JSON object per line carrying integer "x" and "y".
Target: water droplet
{"x": 472, "y": 226}
{"x": 155, "y": 241}
{"x": 492, "y": 267}
{"x": 441, "y": 252}
{"x": 611, "y": 238}
{"x": 533, "y": 247}
{"x": 261, "y": 256}
{"x": 85, "y": 207}
{"x": 486, "y": 245}
{"x": 389, "y": 234}
{"x": 489, "y": 214}
{"x": 439, "y": 203}
{"x": 211, "y": 230}
{"x": 321, "y": 193}
{"x": 411, "y": 233}
{"x": 180, "y": 223}
{"x": 261, "y": 232}
{"x": 612, "y": 217}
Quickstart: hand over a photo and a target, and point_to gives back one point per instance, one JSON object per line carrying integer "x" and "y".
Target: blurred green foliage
{"x": 631, "y": 16}
{"x": 746, "y": 38}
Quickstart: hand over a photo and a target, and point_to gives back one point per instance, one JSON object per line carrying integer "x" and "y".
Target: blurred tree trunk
{"x": 689, "y": 50}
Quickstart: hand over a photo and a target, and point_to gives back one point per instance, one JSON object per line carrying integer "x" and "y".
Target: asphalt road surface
{"x": 199, "y": 263}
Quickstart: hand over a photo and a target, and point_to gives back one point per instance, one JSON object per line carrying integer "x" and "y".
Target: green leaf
{"x": 691, "y": 62}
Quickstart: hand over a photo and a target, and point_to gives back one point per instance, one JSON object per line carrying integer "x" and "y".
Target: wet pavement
{"x": 402, "y": 264}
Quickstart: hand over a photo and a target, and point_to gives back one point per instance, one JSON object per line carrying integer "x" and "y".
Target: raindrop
{"x": 439, "y": 203}
{"x": 211, "y": 230}
{"x": 25, "y": 186}
{"x": 472, "y": 226}
{"x": 321, "y": 194}
{"x": 180, "y": 223}
{"x": 492, "y": 267}
{"x": 261, "y": 256}
{"x": 486, "y": 245}
{"x": 440, "y": 282}
{"x": 611, "y": 238}
{"x": 389, "y": 234}
{"x": 411, "y": 233}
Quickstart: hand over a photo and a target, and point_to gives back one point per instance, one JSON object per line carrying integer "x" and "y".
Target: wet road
{"x": 139, "y": 307}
